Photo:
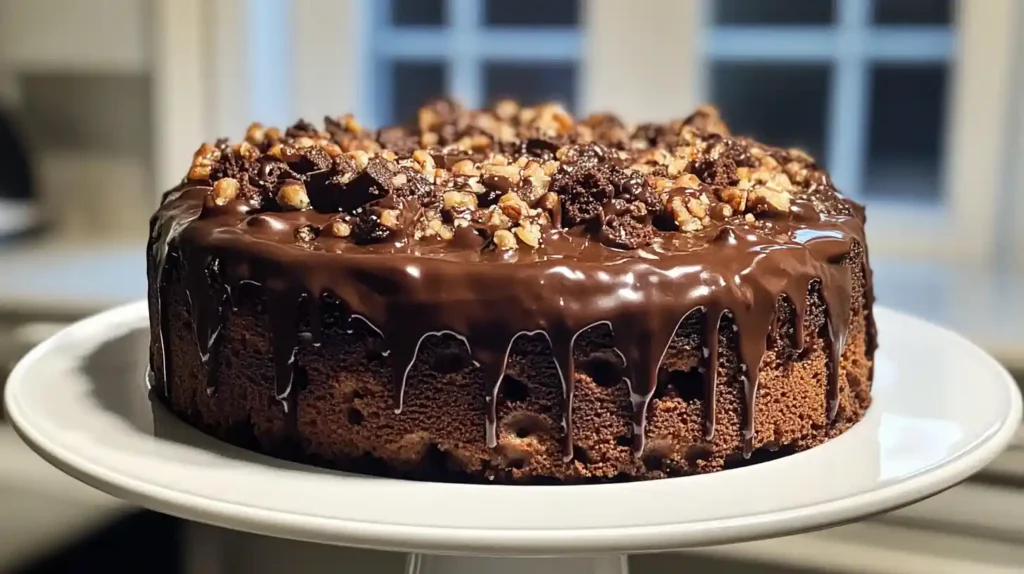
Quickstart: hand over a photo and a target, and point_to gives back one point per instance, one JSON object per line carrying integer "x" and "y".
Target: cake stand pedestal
{"x": 79, "y": 400}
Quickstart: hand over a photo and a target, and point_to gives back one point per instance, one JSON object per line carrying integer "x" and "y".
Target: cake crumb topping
{"x": 513, "y": 174}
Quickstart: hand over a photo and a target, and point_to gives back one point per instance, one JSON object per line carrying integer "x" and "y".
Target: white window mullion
{"x": 849, "y": 93}
{"x": 328, "y": 53}
{"x": 229, "y": 73}
{"x": 641, "y": 58}
{"x": 787, "y": 44}
{"x": 180, "y": 86}
{"x": 267, "y": 54}
{"x": 750, "y": 43}
{"x": 432, "y": 44}
{"x": 465, "y": 77}
{"x": 378, "y": 84}
{"x": 915, "y": 45}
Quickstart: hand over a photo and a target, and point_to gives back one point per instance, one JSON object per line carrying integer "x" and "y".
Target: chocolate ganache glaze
{"x": 495, "y": 224}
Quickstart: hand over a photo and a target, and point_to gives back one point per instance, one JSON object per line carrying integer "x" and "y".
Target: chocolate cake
{"x": 511, "y": 295}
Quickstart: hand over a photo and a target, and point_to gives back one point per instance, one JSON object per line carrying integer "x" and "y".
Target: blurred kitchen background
{"x": 914, "y": 105}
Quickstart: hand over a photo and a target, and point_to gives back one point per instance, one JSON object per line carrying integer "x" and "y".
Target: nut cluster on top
{"x": 510, "y": 175}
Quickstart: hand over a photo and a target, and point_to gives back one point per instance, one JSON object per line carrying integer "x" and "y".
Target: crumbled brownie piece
{"x": 312, "y": 159}
{"x": 301, "y": 128}
{"x": 625, "y": 233}
{"x": 368, "y": 228}
{"x": 583, "y": 184}
{"x": 375, "y": 181}
{"x": 399, "y": 140}
{"x": 271, "y": 171}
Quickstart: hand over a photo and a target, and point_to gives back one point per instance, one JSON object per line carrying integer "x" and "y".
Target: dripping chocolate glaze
{"x": 567, "y": 286}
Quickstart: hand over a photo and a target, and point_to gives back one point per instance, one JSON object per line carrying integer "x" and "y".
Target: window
{"x": 906, "y": 102}
{"x": 863, "y": 85}
{"x": 476, "y": 50}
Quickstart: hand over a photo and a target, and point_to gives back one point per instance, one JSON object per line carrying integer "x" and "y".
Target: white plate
{"x": 942, "y": 410}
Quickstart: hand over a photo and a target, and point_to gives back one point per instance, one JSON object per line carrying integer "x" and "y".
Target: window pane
{"x": 418, "y": 12}
{"x": 903, "y": 12}
{"x": 412, "y": 84}
{"x": 774, "y": 11}
{"x": 780, "y": 104}
{"x": 532, "y": 13}
{"x": 531, "y": 83}
{"x": 907, "y": 125}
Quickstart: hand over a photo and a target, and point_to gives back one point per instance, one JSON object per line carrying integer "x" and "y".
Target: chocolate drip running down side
{"x": 408, "y": 296}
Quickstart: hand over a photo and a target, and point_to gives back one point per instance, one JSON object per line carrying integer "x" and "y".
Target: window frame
{"x": 961, "y": 227}
{"x": 964, "y": 228}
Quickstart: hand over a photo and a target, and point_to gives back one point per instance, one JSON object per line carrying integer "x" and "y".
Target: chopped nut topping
{"x": 513, "y": 206}
{"x": 696, "y": 207}
{"x": 735, "y": 197}
{"x": 284, "y": 152}
{"x": 517, "y": 172}
{"x": 391, "y": 218}
{"x": 423, "y": 159}
{"x": 429, "y": 139}
{"x": 509, "y": 172}
{"x": 348, "y": 121}
{"x": 550, "y": 202}
{"x": 528, "y": 234}
{"x": 459, "y": 200}
{"x": 361, "y": 158}
{"x": 720, "y": 211}
{"x": 465, "y": 167}
{"x": 292, "y": 196}
{"x": 474, "y": 184}
{"x": 800, "y": 156}
{"x": 338, "y": 228}
{"x": 203, "y": 162}
{"x": 224, "y": 190}
{"x": 506, "y": 109}
{"x": 331, "y": 149}
{"x": 676, "y": 167}
{"x": 657, "y": 156}
{"x": 504, "y": 239}
{"x": 770, "y": 199}
{"x": 248, "y": 151}
{"x": 687, "y": 180}
{"x": 255, "y": 134}
{"x": 769, "y": 163}
{"x": 685, "y": 220}
{"x": 199, "y": 173}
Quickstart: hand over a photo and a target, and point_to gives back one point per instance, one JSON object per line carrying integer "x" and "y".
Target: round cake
{"x": 511, "y": 295}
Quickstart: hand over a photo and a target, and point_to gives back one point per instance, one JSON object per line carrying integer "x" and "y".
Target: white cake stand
{"x": 943, "y": 409}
